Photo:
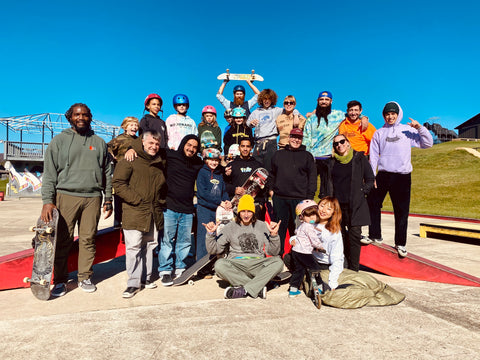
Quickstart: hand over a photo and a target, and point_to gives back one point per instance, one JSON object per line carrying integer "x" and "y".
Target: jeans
{"x": 204, "y": 216}
{"x": 284, "y": 209}
{"x": 178, "y": 224}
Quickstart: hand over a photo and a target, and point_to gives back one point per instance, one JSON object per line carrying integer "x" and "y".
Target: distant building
{"x": 470, "y": 129}
{"x": 439, "y": 133}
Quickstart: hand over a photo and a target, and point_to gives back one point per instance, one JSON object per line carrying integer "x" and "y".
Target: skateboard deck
{"x": 283, "y": 276}
{"x": 255, "y": 182}
{"x": 228, "y": 76}
{"x": 207, "y": 140}
{"x": 223, "y": 217}
{"x": 43, "y": 256}
{"x": 188, "y": 274}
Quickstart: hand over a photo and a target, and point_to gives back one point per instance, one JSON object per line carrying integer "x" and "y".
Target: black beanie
{"x": 391, "y": 107}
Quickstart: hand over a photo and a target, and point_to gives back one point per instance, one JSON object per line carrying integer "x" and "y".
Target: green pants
{"x": 252, "y": 274}
{"x": 86, "y": 212}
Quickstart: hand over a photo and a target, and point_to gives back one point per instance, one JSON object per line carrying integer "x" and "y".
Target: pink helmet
{"x": 303, "y": 205}
{"x": 153, "y": 96}
{"x": 209, "y": 109}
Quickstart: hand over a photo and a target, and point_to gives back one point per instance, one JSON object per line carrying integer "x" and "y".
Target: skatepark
{"x": 436, "y": 320}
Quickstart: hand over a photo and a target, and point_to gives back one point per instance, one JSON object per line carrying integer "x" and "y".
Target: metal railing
{"x": 18, "y": 150}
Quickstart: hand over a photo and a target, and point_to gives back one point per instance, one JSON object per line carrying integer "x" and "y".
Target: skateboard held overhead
{"x": 43, "y": 256}
{"x": 228, "y": 76}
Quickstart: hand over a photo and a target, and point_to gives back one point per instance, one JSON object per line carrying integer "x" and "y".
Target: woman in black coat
{"x": 350, "y": 179}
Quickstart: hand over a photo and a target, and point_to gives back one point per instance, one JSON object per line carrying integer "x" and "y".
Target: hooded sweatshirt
{"x": 391, "y": 146}
{"x": 76, "y": 165}
{"x": 211, "y": 187}
{"x": 154, "y": 123}
{"x": 181, "y": 175}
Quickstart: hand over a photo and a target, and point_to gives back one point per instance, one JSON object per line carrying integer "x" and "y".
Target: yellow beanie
{"x": 246, "y": 202}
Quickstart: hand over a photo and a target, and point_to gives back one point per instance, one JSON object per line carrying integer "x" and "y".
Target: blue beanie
{"x": 325, "y": 93}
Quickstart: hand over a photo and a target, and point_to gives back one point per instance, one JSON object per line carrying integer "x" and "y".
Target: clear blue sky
{"x": 111, "y": 54}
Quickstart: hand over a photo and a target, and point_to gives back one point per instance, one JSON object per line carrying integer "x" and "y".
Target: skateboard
{"x": 43, "y": 256}
{"x": 223, "y": 217}
{"x": 315, "y": 292}
{"x": 207, "y": 140}
{"x": 255, "y": 182}
{"x": 283, "y": 276}
{"x": 228, "y": 76}
{"x": 188, "y": 274}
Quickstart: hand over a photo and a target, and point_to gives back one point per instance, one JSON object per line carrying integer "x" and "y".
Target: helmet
{"x": 227, "y": 113}
{"x": 180, "y": 99}
{"x": 209, "y": 109}
{"x": 153, "y": 96}
{"x": 239, "y": 112}
{"x": 239, "y": 88}
{"x": 303, "y": 205}
{"x": 211, "y": 153}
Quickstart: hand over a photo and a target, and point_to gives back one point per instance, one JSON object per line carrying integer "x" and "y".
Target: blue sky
{"x": 111, "y": 54}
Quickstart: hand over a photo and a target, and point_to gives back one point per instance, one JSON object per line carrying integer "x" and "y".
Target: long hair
{"x": 238, "y": 219}
{"x": 333, "y": 224}
{"x": 204, "y": 122}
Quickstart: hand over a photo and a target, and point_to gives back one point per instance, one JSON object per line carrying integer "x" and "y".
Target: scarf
{"x": 344, "y": 159}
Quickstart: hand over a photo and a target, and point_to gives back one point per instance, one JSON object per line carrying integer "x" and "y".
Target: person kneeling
{"x": 246, "y": 266}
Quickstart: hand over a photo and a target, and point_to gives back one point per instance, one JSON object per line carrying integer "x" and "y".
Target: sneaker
{"x": 366, "y": 240}
{"x": 167, "y": 280}
{"x": 178, "y": 273}
{"x": 149, "y": 285}
{"x": 263, "y": 293}
{"x": 130, "y": 292}
{"x": 59, "y": 290}
{"x": 401, "y": 250}
{"x": 87, "y": 286}
{"x": 235, "y": 292}
{"x": 293, "y": 294}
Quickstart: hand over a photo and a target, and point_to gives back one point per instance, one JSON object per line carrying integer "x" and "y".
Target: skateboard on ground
{"x": 255, "y": 182}
{"x": 283, "y": 276}
{"x": 228, "y": 76}
{"x": 43, "y": 256}
{"x": 189, "y": 274}
{"x": 315, "y": 292}
{"x": 222, "y": 218}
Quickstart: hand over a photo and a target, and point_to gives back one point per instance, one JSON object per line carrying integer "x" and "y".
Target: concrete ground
{"x": 195, "y": 322}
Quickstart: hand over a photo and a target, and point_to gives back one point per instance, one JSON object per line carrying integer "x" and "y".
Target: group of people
{"x": 157, "y": 175}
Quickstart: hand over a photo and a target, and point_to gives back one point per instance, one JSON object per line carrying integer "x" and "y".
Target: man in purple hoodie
{"x": 390, "y": 154}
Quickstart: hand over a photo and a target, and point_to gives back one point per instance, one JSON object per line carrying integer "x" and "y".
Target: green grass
{"x": 3, "y": 184}
{"x": 445, "y": 181}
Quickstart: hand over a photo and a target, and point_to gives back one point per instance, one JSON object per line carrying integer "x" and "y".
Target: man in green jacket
{"x": 76, "y": 175}
{"x": 142, "y": 186}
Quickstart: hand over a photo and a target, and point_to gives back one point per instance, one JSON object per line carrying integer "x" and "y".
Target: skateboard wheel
{"x": 31, "y": 228}
{"x": 49, "y": 230}
{"x": 191, "y": 282}
{"x": 26, "y": 279}
{"x": 43, "y": 282}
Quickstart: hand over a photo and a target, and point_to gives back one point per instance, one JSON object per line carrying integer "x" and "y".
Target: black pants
{"x": 322, "y": 170}
{"x": 351, "y": 239}
{"x": 398, "y": 186}
{"x": 302, "y": 263}
{"x": 284, "y": 209}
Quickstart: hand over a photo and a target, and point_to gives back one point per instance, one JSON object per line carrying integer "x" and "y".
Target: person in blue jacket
{"x": 211, "y": 193}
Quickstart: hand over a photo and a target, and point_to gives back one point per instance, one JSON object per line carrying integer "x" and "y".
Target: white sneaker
{"x": 366, "y": 240}
{"x": 401, "y": 250}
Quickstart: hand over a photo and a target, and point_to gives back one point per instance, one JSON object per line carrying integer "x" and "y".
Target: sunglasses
{"x": 336, "y": 143}
{"x": 288, "y": 103}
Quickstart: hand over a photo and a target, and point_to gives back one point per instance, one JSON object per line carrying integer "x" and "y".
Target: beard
{"x": 323, "y": 112}
{"x": 239, "y": 101}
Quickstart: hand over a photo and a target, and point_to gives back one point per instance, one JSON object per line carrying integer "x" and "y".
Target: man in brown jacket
{"x": 142, "y": 186}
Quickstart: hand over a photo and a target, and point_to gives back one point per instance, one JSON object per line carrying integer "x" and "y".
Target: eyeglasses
{"x": 336, "y": 143}
{"x": 288, "y": 103}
